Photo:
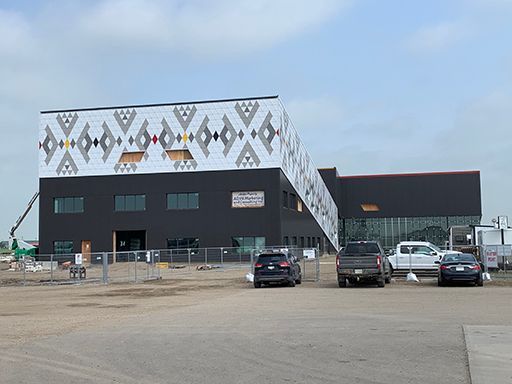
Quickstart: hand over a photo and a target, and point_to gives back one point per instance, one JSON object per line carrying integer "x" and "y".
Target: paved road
{"x": 490, "y": 353}
{"x": 306, "y": 334}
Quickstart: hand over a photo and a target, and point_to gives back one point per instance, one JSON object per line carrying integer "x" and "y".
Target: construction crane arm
{"x": 23, "y": 215}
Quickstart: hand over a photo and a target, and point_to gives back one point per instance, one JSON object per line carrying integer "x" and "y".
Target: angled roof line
{"x": 410, "y": 174}
{"x": 159, "y": 104}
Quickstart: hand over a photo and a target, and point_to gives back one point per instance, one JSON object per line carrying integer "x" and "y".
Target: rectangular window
{"x": 131, "y": 157}
{"x": 293, "y": 201}
{"x": 188, "y": 200}
{"x": 183, "y": 243}
{"x": 68, "y": 205}
{"x": 285, "y": 199}
{"x": 248, "y": 243}
{"x": 62, "y": 247}
{"x": 179, "y": 154}
{"x": 299, "y": 205}
{"x": 285, "y": 240}
{"x": 129, "y": 203}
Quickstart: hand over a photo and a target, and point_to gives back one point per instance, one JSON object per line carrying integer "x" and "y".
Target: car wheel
{"x": 291, "y": 283}
{"x": 391, "y": 270}
{"x": 257, "y": 284}
{"x": 299, "y": 280}
{"x": 479, "y": 282}
{"x": 342, "y": 283}
{"x": 440, "y": 282}
{"x": 387, "y": 280}
{"x": 381, "y": 282}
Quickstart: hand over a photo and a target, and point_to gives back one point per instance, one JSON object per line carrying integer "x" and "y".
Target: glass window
{"x": 61, "y": 247}
{"x": 285, "y": 199}
{"x": 119, "y": 203}
{"x": 182, "y": 200}
{"x": 129, "y": 203}
{"x": 293, "y": 201}
{"x": 193, "y": 200}
{"x": 68, "y": 204}
{"x": 140, "y": 202}
{"x": 172, "y": 201}
{"x": 183, "y": 243}
{"x": 79, "y": 204}
{"x": 248, "y": 243}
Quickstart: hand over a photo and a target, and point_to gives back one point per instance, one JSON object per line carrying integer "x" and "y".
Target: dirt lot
{"x": 213, "y": 327}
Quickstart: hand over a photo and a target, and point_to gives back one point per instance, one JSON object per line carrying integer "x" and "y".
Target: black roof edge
{"x": 159, "y": 104}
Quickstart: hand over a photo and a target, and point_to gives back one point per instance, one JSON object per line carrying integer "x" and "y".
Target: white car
{"x": 423, "y": 255}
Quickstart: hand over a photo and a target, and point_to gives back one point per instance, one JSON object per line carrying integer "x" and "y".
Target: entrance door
{"x": 86, "y": 251}
{"x": 127, "y": 242}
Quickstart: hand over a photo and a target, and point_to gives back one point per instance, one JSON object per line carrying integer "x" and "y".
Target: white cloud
{"x": 439, "y": 37}
{"x": 202, "y": 28}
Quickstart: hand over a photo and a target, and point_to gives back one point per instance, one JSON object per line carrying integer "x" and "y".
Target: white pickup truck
{"x": 423, "y": 255}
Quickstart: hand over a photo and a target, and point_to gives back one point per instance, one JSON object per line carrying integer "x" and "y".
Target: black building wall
{"x": 409, "y": 195}
{"x": 214, "y": 223}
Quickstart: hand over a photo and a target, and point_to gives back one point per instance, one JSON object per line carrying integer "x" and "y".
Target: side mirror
{"x": 433, "y": 253}
{"x": 437, "y": 262}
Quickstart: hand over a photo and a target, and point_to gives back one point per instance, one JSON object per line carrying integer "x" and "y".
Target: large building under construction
{"x": 220, "y": 173}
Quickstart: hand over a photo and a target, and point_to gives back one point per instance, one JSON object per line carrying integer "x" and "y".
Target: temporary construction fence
{"x": 138, "y": 266}
{"x": 497, "y": 259}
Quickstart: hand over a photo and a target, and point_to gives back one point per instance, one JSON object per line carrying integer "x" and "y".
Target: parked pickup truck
{"x": 362, "y": 261}
{"x": 423, "y": 256}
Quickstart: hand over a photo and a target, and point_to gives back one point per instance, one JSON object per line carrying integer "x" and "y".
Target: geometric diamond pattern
{"x": 267, "y": 132}
{"x": 166, "y": 137}
{"x": 221, "y": 135}
{"x": 204, "y": 136}
{"x": 49, "y": 145}
{"x": 184, "y": 115}
{"x": 246, "y": 111}
{"x": 84, "y": 143}
{"x": 227, "y": 135}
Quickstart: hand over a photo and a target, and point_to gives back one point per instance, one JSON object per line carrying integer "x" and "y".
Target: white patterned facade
{"x": 220, "y": 135}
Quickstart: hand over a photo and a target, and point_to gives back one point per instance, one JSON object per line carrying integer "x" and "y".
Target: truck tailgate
{"x": 358, "y": 262}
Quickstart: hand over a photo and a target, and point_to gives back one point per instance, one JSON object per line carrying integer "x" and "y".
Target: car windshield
{"x": 436, "y": 248}
{"x": 361, "y": 248}
{"x": 458, "y": 257}
{"x": 264, "y": 259}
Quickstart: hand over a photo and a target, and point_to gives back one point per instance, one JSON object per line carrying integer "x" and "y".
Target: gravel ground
{"x": 213, "y": 327}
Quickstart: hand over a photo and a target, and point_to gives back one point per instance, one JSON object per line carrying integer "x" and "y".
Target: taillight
{"x": 379, "y": 261}
{"x": 284, "y": 264}
{"x": 475, "y": 267}
{"x": 444, "y": 267}
{"x": 258, "y": 265}
{"x": 337, "y": 261}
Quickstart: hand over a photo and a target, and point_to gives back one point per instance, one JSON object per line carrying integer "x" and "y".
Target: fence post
{"x": 104, "y": 257}
{"x": 135, "y": 253}
{"x": 24, "y": 271}
{"x": 51, "y": 268}
{"x": 222, "y": 256}
{"x": 189, "y": 266}
{"x": 317, "y": 279}
{"x": 206, "y": 256}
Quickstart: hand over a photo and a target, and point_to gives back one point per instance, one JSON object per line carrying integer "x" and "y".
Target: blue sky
{"x": 372, "y": 86}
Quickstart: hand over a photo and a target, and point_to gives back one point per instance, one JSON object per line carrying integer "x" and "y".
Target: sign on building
{"x": 248, "y": 199}
{"x": 78, "y": 258}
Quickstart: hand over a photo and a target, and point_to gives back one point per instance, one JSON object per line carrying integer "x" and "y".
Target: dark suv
{"x": 277, "y": 267}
